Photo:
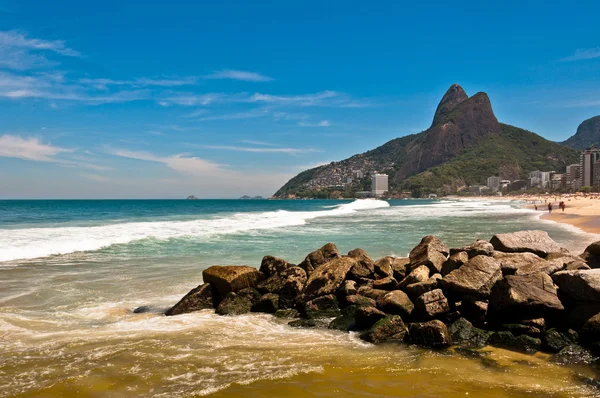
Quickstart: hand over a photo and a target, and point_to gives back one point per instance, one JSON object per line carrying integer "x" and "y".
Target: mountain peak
{"x": 588, "y": 133}
{"x": 454, "y": 96}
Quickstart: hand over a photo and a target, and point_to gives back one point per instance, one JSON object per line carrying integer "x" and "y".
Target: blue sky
{"x": 147, "y": 99}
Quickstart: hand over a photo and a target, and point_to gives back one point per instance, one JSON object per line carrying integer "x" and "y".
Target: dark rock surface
{"x": 270, "y": 265}
{"x": 367, "y": 316}
{"x": 327, "y": 278}
{"x": 200, "y": 298}
{"x": 475, "y": 278}
{"x": 319, "y": 257}
{"x": 364, "y": 267}
{"x": 268, "y": 303}
{"x": 432, "y": 334}
{"x": 431, "y": 305}
{"x": 238, "y": 303}
{"x": 321, "y": 307}
{"x": 581, "y": 285}
{"x": 511, "y": 262}
{"x": 287, "y": 284}
{"x": 231, "y": 278}
{"x": 396, "y": 303}
{"x": 387, "y": 329}
{"x": 430, "y": 252}
{"x": 536, "y": 242}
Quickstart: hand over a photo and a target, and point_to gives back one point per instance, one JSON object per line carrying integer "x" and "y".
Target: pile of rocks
{"x": 519, "y": 291}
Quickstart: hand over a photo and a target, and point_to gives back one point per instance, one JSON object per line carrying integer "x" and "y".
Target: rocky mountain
{"x": 588, "y": 134}
{"x": 464, "y": 145}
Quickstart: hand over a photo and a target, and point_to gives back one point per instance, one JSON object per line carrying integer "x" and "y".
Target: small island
{"x": 246, "y": 197}
{"x": 192, "y": 197}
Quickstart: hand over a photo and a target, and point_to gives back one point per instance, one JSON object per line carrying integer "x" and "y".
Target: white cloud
{"x": 15, "y": 39}
{"x": 236, "y": 116}
{"x": 101, "y": 83}
{"x": 179, "y": 162}
{"x": 322, "y": 123}
{"x": 260, "y": 143}
{"x": 32, "y": 148}
{"x": 583, "y": 53}
{"x": 239, "y": 75}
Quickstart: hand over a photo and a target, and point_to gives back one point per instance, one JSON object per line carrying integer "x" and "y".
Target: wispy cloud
{"x": 239, "y": 75}
{"x": 255, "y": 142}
{"x": 238, "y": 115}
{"x": 322, "y": 123}
{"x": 327, "y": 98}
{"x": 291, "y": 151}
{"x": 180, "y": 162}
{"x": 101, "y": 83}
{"x": 582, "y": 54}
{"x": 31, "y": 148}
{"x": 19, "y": 40}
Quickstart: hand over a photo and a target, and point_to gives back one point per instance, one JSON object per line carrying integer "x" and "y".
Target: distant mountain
{"x": 588, "y": 134}
{"x": 192, "y": 197}
{"x": 464, "y": 145}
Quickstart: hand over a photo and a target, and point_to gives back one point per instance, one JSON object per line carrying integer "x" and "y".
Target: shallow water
{"x": 66, "y": 326}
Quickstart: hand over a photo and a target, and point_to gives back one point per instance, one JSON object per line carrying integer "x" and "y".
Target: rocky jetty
{"x": 518, "y": 291}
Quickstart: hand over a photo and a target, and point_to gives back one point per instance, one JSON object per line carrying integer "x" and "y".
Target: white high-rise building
{"x": 379, "y": 184}
{"x": 588, "y": 158}
{"x": 493, "y": 183}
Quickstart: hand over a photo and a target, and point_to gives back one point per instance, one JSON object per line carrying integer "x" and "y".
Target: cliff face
{"x": 588, "y": 134}
{"x": 461, "y": 126}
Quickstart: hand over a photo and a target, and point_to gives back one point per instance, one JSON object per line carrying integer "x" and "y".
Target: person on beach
{"x": 535, "y": 207}
{"x": 549, "y": 207}
{"x": 562, "y": 206}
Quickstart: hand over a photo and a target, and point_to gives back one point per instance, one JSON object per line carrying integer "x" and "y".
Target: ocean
{"x": 71, "y": 272}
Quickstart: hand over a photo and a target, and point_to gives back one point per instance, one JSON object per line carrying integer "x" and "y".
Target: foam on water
{"x": 28, "y": 243}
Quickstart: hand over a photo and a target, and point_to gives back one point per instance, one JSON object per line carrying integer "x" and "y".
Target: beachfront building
{"x": 379, "y": 184}
{"x": 358, "y": 174}
{"x": 574, "y": 177}
{"x": 559, "y": 182}
{"x": 588, "y": 158}
{"x": 518, "y": 185}
{"x": 539, "y": 179}
{"x": 493, "y": 183}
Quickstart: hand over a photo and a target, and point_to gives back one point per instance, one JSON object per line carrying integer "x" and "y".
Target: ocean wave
{"x": 30, "y": 243}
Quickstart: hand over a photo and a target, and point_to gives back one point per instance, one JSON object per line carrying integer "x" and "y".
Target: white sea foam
{"x": 18, "y": 244}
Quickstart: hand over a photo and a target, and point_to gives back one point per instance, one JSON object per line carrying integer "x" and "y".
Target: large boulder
{"x": 383, "y": 267}
{"x": 555, "y": 340}
{"x": 582, "y": 285}
{"x": 396, "y": 302}
{"x": 319, "y": 257}
{"x": 414, "y": 290}
{"x": 475, "y": 278}
{"x": 524, "y": 343}
{"x": 431, "y": 305}
{"x": 364, "y": 267}
{"x": 270, "y": 265}
{"x": 518, "y": 297}
{"x": 200, "y": 298}
{"x": 544, "y": 266}
{"x": 463, "y": 332}
{"x": 321, "y": 307}
{"x": 590, "y": 331}
{"x": 474, "y": 309}
{"x": 591, "y": 255}
{"x": 238, "y": 303}
{"x": 511, "y": 262}
{"x": 432, "y": 334}
{"x": 387, "y": 329}
{"x": 387, "y": 283}
{"x": 369, "y": 292}
{"x": 537, "y": 242}
{"x": 268, "y": 303}
{"x": 327, "y": 278}
{"x": 430, "y": 252}
{"x": 344, "y": 322}
{"x": 478, "y": 248}
{"x": 419, "y": 274}
{"x": 287, "y": 283}
{"x": 231, "y": 278}
{"x": 366, "y": 317}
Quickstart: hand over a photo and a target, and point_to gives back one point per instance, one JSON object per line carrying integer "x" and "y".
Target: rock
{"x": 518, "y": 297}
{"x": 367, "y": 316}
{"x": 142, "y": 310}
{"x": 396, "y": 302}
{"x": 387, "y": 329}
{"x": 286, "y": 314}
{"x": 570, "y": 262}
{"x": 369, "y": 292}
{"x": 463, "y": 332}
{"x": 414, "y": 290}
{"x": 430, "y": 252}
{"x": 238, "y": 303}
{"x": 387, "y": 283}
{"x": 270, "y": 266}
{"x": 419, "y": 274}
{"x": 432, "y": 334}
{"x": 383, "y": 267}
{"x": 590, "y": 331}
{"x": 479, "y": 248}
{"x": 537, "y": 242}
{"x": 327, "y": 278}
{"x": 319, "y": 257}
{"x": 591, "y": 255}
{"x": 546, "y": 267}
{"x": 507, "y": 340}
{"x": 579, "y": 285}
{"x": 348, "y": 288}
{"x": 474, "y": 310}
{"x": 321, "y": 307}
{"x": 309, "y": 323}
{"x": 579, "y": 312}
{"x": 287, "y": 284}
{"x": 511, "y": 262}
{"x": 400, "y": 267}
{"x": 345, "y": 323}
{"x": 431, "y": 305}
{"x": 573, "y": 354}
{"x": 364, "y": 267}
{"x": 268, "y": 303}
{"x": 231, "y": 278}
{"x": 475, "y": 278}
{"x": 555, "y": 340}
{"x": 199, "y": 298}
{"x": 360, "y": 301}
{"x": 455, "y": 261}
{"x": 518, "y": 329}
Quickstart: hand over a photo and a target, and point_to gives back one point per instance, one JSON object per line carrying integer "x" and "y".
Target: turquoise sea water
{"x": 72, "y": 271}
